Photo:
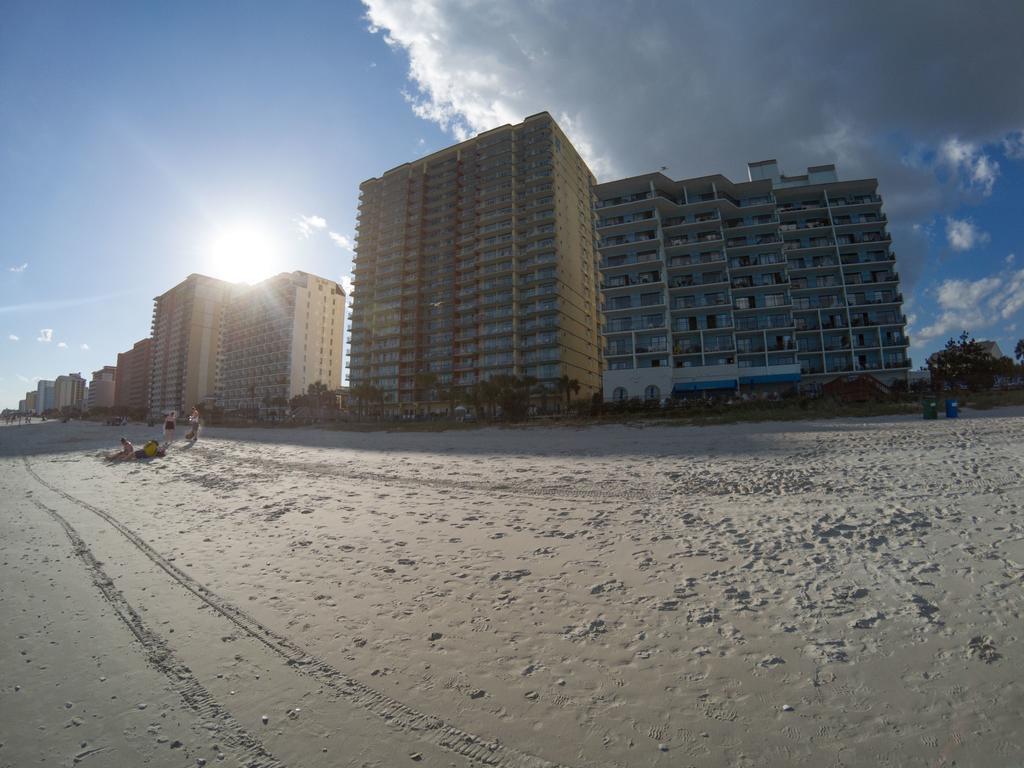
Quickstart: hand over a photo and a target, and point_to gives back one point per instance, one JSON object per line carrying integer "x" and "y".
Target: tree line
{"x": 505, "y": 396}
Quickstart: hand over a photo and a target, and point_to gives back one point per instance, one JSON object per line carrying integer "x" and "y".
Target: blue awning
{"x": 772, "y": 378}
{"x": 695, "y": 386}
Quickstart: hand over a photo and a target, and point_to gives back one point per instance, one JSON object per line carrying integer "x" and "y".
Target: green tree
{"x": 1018, "y": 351}
{"x": 569, "y": 387}
{"x": 962, "y": 361}
{"x": 425, "y": 383}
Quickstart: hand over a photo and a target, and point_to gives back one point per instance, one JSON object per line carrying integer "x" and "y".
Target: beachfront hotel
{"x": 280, "y": 336}
{"x": 45, "y": 395}
{"x": 131, "y": 380}
{"x": 713, "y": 285}
{"x": 101, "y": 388}
{"x": 475, "y": 261}
{"x": 186, "y": 342}
{"x": 69, "y": 391}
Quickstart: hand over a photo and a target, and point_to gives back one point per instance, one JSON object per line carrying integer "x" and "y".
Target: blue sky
{"x": 140, "y": 142}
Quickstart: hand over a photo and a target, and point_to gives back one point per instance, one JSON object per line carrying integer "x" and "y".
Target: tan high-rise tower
{"x": 186, "y": 342}
{"x": 476, "y": 261}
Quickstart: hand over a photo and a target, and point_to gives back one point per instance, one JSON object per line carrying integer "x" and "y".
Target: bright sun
{"x": 243, "y": 252}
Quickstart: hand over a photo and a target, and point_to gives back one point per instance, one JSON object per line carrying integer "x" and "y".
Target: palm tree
{"x": 569, "y": 387}
{"x": 425, "y": 382}
{"x": 1018, "y": 351}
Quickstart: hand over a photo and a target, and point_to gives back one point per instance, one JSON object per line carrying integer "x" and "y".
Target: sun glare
{"x": 243, "y": 252}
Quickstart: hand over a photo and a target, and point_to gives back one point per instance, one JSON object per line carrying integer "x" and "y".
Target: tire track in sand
{"x": 230, "y": 733}
{"x": 428, "y": 727}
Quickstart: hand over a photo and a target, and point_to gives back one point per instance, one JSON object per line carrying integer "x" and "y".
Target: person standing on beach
{"x": 193, "y": 420}
{"x": 169, "y": 427}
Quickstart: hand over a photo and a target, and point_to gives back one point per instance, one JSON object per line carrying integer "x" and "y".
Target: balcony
{"x": 634, "y": 237}
{"x": 714, "y": 257}
{"x": 623, "y": 199}
{"x": 614, "y": 221}
{"x": 650, "y": 349}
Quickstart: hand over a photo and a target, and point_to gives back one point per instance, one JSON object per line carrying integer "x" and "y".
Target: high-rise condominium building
{"x": 69, "y": 391}
{"x": 101, "y": 388}
{"x": 475, "y": 261}
{"x": 45, "y": 399}
{"x": 715, "y": 285}
{"x": 131, "y": 389}
{"x": 186, "y": 341}
{"x": 280, "y": 336}
{"x": 30, "y": 402}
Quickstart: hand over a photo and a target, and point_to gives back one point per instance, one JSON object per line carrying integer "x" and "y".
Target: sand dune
{"x": 833, "y": 593}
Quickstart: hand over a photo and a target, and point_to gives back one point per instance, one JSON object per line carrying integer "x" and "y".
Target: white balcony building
{"x": 716, "y": 286}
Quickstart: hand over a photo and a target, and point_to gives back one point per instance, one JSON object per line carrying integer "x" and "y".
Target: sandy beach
{"x": 835, "y": 593}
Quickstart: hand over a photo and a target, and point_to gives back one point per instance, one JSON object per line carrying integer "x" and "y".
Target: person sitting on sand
{"x": 127, "y": 451}
{"x": 151, "y": 450}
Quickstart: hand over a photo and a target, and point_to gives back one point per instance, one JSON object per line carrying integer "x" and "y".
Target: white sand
{"x": 611, "y": 596}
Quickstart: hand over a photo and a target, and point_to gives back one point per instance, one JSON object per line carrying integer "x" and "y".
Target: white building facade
{"x": 712, "y": 286}
{"x": 280, "y": 336}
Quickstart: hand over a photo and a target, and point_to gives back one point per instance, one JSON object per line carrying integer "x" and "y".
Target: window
{"x": 652, "y": 393}
{"x": 619, "y": 394}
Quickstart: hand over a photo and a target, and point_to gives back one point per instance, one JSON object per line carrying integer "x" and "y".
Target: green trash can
{"x": 930, "y": 406}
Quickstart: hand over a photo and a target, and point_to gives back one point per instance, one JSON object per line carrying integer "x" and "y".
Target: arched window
{"x": 652, "y": 393}
{"x": 620, "y": 394}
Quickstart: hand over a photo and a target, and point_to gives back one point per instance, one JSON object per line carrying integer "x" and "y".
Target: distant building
{"x": 45, "y": 396}
{"x": 69, "y": 391}
{"x": 131, "y": 383}
{"x": 280, "y": 336}
{"x": 30, "y": 401}
{"x": 992, "y": 349}
{"x": 101, "y": 388}
{"x": 22, "y": 406}
{"x": 770, "y": 283}
{"x": 186, "y": 342}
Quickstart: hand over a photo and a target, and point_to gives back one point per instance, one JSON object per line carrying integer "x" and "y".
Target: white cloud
{"x": 343, "y": 242}
{"x": 1013, "y": 145}
{"x": 306, "y": 224}
{"x": 1009, "y": 258}
{"x": 963, "y": 235}
{"x": 348, "y": 284}
{"x": 45, "y": 335}
{"x": 977, "y": 170}
{"x": 973, "y": 305}
{"x": 85, "y": 347}
{"x": 22, "y": 268}
{"x": 62, "y": 345}
{"x": 12, "y": 337}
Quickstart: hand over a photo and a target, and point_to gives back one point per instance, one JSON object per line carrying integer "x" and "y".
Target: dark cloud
{"x": 877, "y": 87}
